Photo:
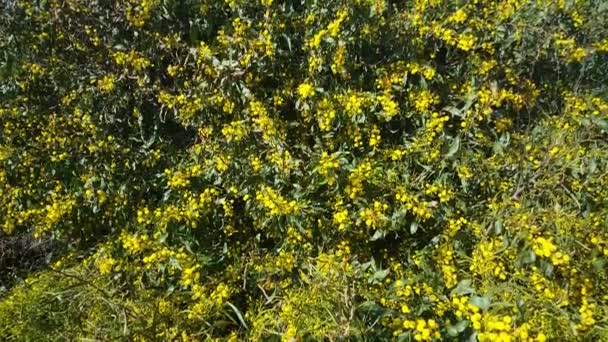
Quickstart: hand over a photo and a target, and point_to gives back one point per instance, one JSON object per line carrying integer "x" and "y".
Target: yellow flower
{"x": 341, "y": 219}
{"x": 466, "y": 41}
{"x": 374, "y": 137}
{"x": 305, "y": 90}
{"x": 390, "y": 108}
{"x": 328, "y": 166}
{"x": 106, "y": 84}
{"x": 105, "y": 265}
{"x": 354, "y": 103}
{"x": 460, "y": 16}
{"x": 334, "y": 27}
{"x": 273, "y": 201}
{"x": 544, "y": 247}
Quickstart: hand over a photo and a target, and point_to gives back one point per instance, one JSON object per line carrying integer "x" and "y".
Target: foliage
{"x": 302, "y": 170}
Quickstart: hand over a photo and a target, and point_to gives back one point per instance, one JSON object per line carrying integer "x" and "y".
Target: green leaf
{"x": 379, "y": 276}
{"x": 369, "y": 306}
{"x": 528, "y": 257}
{"x": 454, "y": 147}
{"x": 238, "y": 314}
{"x": 453, "y": 110}
{"x": 599, "y": 264}
{"x": 413, "y": 227}
{"x": 498, "y": 227}
{"x": 497, "y": 148}
{"x": 461, "y": 326}
{"x": 463, "y": 287}
{"x": 379, "y": 234}
{"x": 603, "y": 124}
{"x": 481, "y": 302}
{"x": 456, "y": 329}
{"x": 452, "y": 331}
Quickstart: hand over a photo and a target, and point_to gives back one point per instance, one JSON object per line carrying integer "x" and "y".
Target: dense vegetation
{"x": 304, "y": 170}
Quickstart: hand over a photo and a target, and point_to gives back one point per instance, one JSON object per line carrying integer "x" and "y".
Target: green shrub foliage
{"x": 306, "y": 170}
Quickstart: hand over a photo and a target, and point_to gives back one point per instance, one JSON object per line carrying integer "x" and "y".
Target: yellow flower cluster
{"x": 275, "y": 203}
{"x": 332, "y": 30}
{"x": 454, "y": 226}
{"x": 285, "y": 261}
{"x": 139, "y": 11}
{"x": 374, "y": 137}
{"x": 105, "y": 265}
{"x": 204, "y": 53}
{"x": 132, "y": 59}
{"x": 485, "y": 260}
{"x": 206, "y": 303}
{"x": 390, "y": 108}
{"x": 600, "y": 243}
{"x": 445, "y": 256}
{"x": 181, "y": 178}
{"x": 190, "y": 276}
{"x": 106, "y": 84}
{"x": 282, "y": 160}
{"x": 337, "y": 67}
{"x": 134, "y": 243}
{"x": 466, "y": 42}
{"x": 424, "y": 330}
{"x": 341, "y": 219}
{"x": 54, "y": 213}
{"x": 222, "y": 163}
{"x": 373, "y": 216}
{"x": 305, "y": 90}
{"x": 464, "y": 309}
{"x": 360, "y": 174}
{"x": 546, "y": 248}
{"x": 420, "y": 209}
{"x": 441, "y": 191}
{"x": 262, "y": 121}
{"x": 164, "y": 254}
{"x": 236, "y": 130}
{"x": 496, "y": 328}
{"x": 353, "y": 103}
{"x": 186, "y": 107}
{"x": 325, "y": 115}
{"x": 328, "y": 165}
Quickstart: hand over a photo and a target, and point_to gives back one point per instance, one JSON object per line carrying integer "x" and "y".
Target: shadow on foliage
{"x": 23, "y": 254}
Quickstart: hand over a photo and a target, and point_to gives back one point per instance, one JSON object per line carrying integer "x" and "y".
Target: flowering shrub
{"x": 300, "y": 170}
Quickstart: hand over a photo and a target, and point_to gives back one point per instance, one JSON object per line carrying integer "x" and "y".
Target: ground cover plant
{"x": 192, "y": 170}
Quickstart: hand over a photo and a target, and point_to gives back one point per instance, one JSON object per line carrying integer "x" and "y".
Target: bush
{"x": 301, "y": 170}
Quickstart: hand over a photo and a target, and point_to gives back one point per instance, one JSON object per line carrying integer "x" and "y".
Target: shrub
{"x": 301, "y": 170}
